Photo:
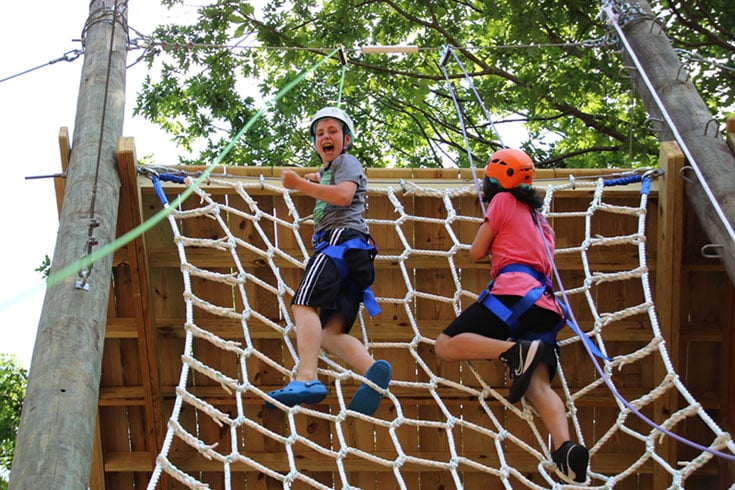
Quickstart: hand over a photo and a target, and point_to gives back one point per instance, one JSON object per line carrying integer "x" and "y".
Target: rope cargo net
{"x": 447, "y": 419}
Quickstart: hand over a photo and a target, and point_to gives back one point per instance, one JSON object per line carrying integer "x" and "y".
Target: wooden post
{"x": 695, "y": 127}
{"x": 668, "y": 287}
{"x": 57, "y": 429}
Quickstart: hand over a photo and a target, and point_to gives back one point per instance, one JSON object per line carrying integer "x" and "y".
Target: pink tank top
{"x": 517, "y": 240}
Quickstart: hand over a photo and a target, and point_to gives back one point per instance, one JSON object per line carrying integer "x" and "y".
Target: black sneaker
{"x": 522, "y": 360}
{"x": 572, "y": 459}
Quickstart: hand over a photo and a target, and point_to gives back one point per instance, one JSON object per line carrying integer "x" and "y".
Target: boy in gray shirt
{"x": 339, "y": 273}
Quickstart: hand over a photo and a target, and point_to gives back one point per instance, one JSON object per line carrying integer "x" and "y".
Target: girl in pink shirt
{"x": 517, "y": 318}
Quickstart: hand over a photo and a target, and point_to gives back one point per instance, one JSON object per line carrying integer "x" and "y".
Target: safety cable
{"x": 147, "y": 43}
{"x": 692, "y": 56}
{"x": 612, "y": 18}
{"x": 464, "y": 135}
{"x": 68, "y": 56}
{"x": 93, "y": 221}
{"x": 445, "y": 56}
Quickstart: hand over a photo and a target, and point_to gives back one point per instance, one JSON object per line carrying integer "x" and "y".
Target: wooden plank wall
{"x": 137, "y": 395}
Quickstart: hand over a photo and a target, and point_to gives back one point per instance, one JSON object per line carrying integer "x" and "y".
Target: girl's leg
{"x": 469, "y": 346}
{"x": 549, "y": 406}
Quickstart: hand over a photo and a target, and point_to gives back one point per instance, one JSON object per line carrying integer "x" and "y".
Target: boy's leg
{"x": 345, "y": 346}
{"x": 305, "y": 387}
{"x": 348, "y": 348}
{"x": 308, "y": 341}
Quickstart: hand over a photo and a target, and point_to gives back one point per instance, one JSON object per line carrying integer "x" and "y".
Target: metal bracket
{"x": 705, "y": 251}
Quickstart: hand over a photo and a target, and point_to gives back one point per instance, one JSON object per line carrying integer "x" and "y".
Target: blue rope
{"x": 631, "y": 179}
{"x": 159, "y": 190}
{"x": 157, "y": 178}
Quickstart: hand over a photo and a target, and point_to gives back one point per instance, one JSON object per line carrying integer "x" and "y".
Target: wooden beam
{"x": 210, "y": 258}
{"x": 380, "y": 180}
{"x": 97, "y": 475}
{"x": 147, "y": 335}
{"x": 599, "y": 397}
{"x": 384, "y": 329}
{"x": 728, "y": 382}
{"x": 65, "y": 154}
{"x": 309, "y": 461}
{"x": 668, "y": 287}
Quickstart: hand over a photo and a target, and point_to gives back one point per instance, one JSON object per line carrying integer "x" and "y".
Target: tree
{"x": 13, "y": 378}
{"x": 550, "y": 65}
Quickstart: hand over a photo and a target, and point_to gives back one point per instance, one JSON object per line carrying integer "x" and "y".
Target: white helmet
{"x": 334, "y": 113}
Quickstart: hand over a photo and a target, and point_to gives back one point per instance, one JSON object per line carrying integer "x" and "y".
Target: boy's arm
{"x": 337, "y": 195}
{"x": 312, "y": 176}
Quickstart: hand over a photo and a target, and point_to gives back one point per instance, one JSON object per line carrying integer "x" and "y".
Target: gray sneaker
{"x": 572, "y": 459}
{"x": 522, "y": 360}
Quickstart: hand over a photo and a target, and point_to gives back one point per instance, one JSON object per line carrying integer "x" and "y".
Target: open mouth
{"x": 327, "y": 147}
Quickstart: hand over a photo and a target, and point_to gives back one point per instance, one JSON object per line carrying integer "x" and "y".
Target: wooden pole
{"x": 57, "y": 429}
{"x": 669, "y": 250}
{"x": 691, "y": 125}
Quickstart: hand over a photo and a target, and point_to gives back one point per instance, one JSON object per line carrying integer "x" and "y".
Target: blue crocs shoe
{"x": 297, "y": 392}
{"x": 366, "y": 399}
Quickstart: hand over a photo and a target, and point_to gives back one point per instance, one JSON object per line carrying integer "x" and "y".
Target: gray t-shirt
{"x": 344, "y": 168}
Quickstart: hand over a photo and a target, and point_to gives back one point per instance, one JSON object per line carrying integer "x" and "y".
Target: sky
{"x": 36, "y": 36}
{"x": 33, "y": 108}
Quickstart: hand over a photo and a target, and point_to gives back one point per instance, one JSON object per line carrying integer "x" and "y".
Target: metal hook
{"x": 686, "y": 72}
{"x": 147, "y": 172}
{"x": 712, "y": 255}
{"x": 342, "y": 56}
{"x": 717, "y": 127}
{"x": 625, "y": 71}
{"x": 652, "y": 173}
{"x": 652, "y": 127}
{"x": 684, "y": 170}
{"x": 659, "y": 22}
{"x": 446, "y": 51}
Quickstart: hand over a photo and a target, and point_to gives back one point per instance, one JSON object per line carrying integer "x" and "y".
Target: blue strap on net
{"x": 631, "y": 179}
{"x": 337, "y": 254}
{"x": 156, "y": 180}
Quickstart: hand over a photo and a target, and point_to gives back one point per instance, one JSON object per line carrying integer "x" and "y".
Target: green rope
{"x": 341, "y": 84}
{"x": 87, "y": 261}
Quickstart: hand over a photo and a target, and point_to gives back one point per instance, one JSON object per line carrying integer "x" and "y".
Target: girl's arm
{"x": 480, "y": 248}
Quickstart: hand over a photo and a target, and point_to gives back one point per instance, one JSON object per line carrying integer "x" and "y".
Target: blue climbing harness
{"x": 337, "y": 254}
{"x": 511, "y": 316}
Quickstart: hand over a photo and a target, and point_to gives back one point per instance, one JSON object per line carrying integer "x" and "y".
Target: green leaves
{"x": 13, "y": 379}
{"x": 532, "y": 62}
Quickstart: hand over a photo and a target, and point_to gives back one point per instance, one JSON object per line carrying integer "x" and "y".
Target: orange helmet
{"x": 510, "y": 168}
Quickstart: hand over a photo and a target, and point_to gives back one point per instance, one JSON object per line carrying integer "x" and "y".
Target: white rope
{"x": 472, "y": 383}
